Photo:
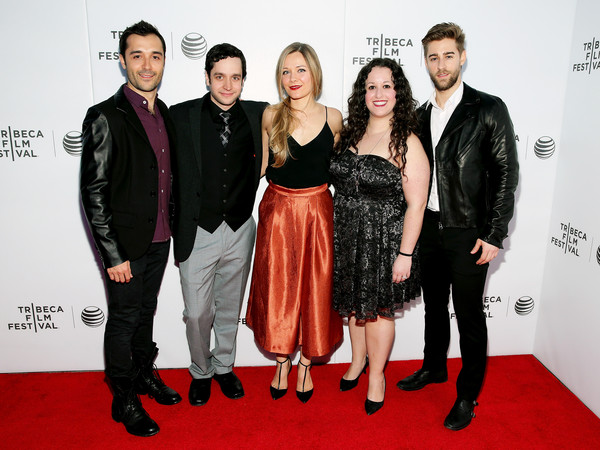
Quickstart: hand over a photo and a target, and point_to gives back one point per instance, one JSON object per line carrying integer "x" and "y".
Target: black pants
{"x": 446, "y": 263}
{"x": 131, "y": 308}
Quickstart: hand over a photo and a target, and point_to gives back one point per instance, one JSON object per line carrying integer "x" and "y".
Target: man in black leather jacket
{"x": 470, "y": 142}
{"x": 125, "y": 190}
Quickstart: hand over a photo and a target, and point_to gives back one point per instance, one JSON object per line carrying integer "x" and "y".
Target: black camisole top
{"x": 308, "y": 165}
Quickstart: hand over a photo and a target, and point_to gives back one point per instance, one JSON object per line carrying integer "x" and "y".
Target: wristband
{"x": 406, "y": 254}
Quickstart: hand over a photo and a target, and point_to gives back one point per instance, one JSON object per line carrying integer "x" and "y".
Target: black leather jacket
{"x": 119, "y": 179}
{"x": 476, "y": 165}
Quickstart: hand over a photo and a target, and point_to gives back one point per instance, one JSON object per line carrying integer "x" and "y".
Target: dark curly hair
{"x": 223, "y": 51}
{"x": 403, "y": 122}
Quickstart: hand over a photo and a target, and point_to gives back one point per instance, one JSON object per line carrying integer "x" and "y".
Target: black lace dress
{"x": 369, "y": 209}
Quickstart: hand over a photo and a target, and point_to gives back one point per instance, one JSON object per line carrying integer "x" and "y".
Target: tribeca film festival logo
{"x": 72, "y": 143}
{"x": 493, "y": 303}
{"x": 37, "y": 318}
{"x": 19, "y": 143}
{"x": 544, "y": 147}
{"x": 490, "y": 304}
{"x": 92, "y": 316}
{"x": 111, "y": 55}
{"x": 383, "y": 47}
{"x": 193, "y": 45}
{"x": 590, "y": 57}
{"x": 571, "y": 239}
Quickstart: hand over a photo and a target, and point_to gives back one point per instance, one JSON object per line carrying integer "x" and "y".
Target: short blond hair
{"x": 442, "y": 31}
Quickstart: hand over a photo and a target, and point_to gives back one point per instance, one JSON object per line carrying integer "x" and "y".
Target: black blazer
{"x": 119, "y": 179}
{"x": 188, "y": 187}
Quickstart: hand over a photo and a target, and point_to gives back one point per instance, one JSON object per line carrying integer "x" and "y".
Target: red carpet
{"x": 522, "y": 406}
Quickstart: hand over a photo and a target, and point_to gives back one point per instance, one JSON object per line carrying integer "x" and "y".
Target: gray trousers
{"x": 213, "y": 280}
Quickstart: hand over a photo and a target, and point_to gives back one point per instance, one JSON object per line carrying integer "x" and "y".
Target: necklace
{"x": 359, "y": 166}
{"x": 376, "y": 143}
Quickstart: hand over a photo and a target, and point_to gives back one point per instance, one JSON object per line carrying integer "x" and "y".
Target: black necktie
{"x": 226, "y": 130}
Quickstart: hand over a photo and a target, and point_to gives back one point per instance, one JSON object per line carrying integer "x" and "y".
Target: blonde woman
{"x": 290, "y": 296}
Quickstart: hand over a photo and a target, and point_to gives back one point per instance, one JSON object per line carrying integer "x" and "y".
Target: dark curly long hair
{"x": 403, "y": 122}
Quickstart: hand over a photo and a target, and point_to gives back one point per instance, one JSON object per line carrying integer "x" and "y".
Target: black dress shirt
{"x": 227, "y": 172}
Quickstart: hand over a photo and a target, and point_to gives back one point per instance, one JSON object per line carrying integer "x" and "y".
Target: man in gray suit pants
{"x": 218, "y": 159}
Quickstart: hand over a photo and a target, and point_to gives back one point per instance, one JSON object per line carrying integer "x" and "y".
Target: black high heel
{"x": 346, "y": 385}
{"x": 277, "y": 393}
{"x": 303, "y": 395}
{"x": 372, "y": 407}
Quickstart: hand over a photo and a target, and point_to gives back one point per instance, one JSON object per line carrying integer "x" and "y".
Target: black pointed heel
{"x": 303, "y": 395}
{"x": 277, "y": 393}
{"x": 372, "y": 407}
{"x": 346, "y": 385}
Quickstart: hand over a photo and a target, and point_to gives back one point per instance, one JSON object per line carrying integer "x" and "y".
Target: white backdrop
{"x": 568, "y": 330}
{"x": 61, "y": 58}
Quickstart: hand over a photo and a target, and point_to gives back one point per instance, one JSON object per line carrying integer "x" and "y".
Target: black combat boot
{"x": 148, "y": 381}
{"x": 127, "y": 408}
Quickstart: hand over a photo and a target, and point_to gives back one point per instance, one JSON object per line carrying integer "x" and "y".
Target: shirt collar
{"x": 454, "y": 99}
{"x": 214, "y": 110}
{"x": 136, "y": 99}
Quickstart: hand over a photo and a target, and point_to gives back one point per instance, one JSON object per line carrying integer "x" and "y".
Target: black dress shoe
{"x": 199, "y": 391}
{"x": 346, "y": 385}
{"x": 230, "y": 385}
{"x": 460, "y": 415}
{"x": 422, "y": 378}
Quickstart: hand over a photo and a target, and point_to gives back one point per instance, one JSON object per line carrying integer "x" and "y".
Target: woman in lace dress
{"x": 381, "y": 176}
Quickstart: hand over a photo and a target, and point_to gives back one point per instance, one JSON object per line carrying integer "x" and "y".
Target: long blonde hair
{"x": 284, "y": 121}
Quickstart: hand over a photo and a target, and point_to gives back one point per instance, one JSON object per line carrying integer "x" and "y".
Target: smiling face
{"x": 225, "y": 82}
{"x": 296, "y": 78}
{"x": 144, "y": 62}
{"x": 380, "y": 95}
{"x": 444, "y": 63}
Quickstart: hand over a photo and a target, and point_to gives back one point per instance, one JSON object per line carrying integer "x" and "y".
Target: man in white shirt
{"x": 470, "y": 142}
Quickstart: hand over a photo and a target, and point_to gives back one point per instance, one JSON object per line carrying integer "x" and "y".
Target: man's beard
{"x": 446, "y": 83}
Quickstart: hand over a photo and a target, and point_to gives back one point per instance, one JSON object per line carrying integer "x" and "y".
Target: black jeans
{"x": 446, "y": 262}
{"x": 131, "y": 308}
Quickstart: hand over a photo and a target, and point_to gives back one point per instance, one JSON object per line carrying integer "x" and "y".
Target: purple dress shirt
{"x": 154, "y": 125}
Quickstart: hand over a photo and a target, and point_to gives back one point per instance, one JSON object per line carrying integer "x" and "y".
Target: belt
{"x": 434, "y": 216}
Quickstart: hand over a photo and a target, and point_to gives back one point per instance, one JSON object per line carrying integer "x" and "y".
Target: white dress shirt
{"x": 439, "y": 120}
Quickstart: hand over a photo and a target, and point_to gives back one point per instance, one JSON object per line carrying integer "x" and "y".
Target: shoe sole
{"x": 197, "y": 402}
{"x": 234, "y": 397}
{"x": 142, "y": 435}
{"x": 450, "y": 427}
{"x": 419, "y": 387}
{"x": 166, "y": 402}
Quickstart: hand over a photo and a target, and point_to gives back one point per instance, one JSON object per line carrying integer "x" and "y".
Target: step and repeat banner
{"x": 568, "y": 332}
{"x": 63, "y": 57}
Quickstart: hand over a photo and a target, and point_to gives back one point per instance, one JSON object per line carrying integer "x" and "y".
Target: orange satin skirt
{"x": 291, "y": 289}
